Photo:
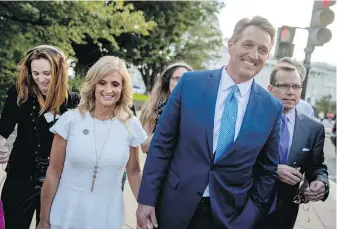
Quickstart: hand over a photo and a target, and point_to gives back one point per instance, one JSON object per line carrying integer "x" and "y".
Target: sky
{"x": 282, "y": 12}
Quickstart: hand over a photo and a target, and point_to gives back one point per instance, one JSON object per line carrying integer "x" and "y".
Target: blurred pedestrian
{"x": 160, "y": 93}
{"x": 41, "y": 95}
{"x": 92, "y": 146}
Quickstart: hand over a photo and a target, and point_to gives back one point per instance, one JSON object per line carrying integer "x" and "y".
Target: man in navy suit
{"x": 213, "y": 159}
{"x": 301, "y": 152}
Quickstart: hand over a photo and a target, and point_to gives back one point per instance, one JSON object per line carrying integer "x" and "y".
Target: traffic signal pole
{"x": 307, "y": 64}
{"x": 321, "y": 16}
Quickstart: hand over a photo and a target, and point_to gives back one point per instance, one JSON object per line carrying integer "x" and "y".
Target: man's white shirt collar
{"x": 291, "y": 116}
{"x": 227, "y": 82}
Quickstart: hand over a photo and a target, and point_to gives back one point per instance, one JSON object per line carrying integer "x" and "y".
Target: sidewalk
{"x": 322, "y": 215}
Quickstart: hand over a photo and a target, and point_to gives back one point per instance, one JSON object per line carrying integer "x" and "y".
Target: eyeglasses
{"x": 175, "y": 78}
{"x": 288, "y": 86}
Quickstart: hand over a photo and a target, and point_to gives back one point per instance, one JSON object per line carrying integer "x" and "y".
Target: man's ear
{"x": 230, "y": 45}
{"x": 270, "y": 88}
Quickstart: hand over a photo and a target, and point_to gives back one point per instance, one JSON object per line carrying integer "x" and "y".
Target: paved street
{"x": 321, "y": 215}
{"x": 330, "y": 158}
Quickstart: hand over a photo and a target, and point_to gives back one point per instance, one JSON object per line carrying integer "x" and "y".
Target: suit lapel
{"x": 251, "y": 111}
{"x": 211, "y": 92}
{"x": 250, "y": 115}
{"x": 299, "y": 134}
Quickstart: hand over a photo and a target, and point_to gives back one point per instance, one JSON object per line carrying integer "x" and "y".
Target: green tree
{"x": 64, "y": 24}
{"x": 325, "y": 104}
{"x": 184, "y": 31}
{"x": 203, "y": 42}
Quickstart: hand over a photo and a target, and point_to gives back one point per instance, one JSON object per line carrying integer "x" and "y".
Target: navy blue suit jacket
{"x": 179, "y": 164}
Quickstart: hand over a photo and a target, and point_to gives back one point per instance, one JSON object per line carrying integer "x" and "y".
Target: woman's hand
{"x": 44, "y": 224}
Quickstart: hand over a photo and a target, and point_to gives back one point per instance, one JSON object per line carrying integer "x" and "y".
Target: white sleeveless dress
{"x": 74, "y": 205}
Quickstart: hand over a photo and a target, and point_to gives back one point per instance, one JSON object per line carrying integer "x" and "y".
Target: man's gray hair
{"x": 298, "y": 65}
{"x": 257, "y": 21}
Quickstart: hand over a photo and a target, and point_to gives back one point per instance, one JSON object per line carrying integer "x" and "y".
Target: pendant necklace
{"x": 98, "y": 157}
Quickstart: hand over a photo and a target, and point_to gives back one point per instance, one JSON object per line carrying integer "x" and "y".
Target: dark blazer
{"x": 180, "y": 162}
{"x": 309, "y": 134}
{"x": 28, "y": 160}
{"x": 307, "y": 153}
{"x": 33, "y": 136}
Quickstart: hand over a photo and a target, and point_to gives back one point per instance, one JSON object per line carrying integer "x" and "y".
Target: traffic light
{"x": 322, "y": 16}
{"x": 284, "y": 42}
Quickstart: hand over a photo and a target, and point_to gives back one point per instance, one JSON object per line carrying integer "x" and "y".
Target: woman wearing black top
{"x": 160, "y": 93}
{"x": 40, "y": 96}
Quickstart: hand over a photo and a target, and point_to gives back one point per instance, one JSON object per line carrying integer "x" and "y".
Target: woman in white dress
{"x": 92, "y": 146}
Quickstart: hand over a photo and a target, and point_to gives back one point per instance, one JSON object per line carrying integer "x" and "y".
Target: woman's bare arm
{"x": 133, "y": 171}
{"x": 54, "y": 171}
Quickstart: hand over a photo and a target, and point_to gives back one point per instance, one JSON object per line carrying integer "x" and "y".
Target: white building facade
{"x": 321, "y": 80}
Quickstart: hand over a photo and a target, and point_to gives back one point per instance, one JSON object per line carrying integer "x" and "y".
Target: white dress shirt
{"x": 242, "y": 96}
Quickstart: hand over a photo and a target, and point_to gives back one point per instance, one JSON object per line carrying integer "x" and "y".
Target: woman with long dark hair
{"x": 40, "y": 96}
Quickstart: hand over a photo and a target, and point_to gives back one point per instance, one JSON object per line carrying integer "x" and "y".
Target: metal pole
{"x": 307, "y": 61}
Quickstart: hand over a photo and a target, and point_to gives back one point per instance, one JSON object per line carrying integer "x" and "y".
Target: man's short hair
{"x": 287, "y": 68}
{"x": 257, "y": 21}
{"x": 298, "y": 65}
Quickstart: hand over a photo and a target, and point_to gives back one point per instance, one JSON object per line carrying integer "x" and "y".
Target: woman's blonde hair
{"x": 101, "y": 69}
{"x": 160, "y": 92}
{"x": 58, "y": 87}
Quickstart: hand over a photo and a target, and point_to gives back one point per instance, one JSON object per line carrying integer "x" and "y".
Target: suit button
{"x": 34, "y": 107}
{"x": 36, "y": 153}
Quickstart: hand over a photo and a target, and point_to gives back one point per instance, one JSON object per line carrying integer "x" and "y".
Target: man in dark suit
{"x": 213, "y": 159}
{"x": 301, "y": 152}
